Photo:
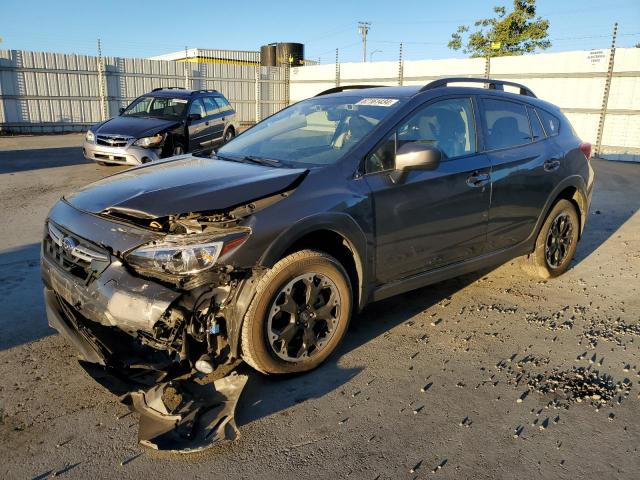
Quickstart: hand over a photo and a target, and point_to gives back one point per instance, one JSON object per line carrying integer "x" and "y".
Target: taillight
{"x": 585, "y": 148}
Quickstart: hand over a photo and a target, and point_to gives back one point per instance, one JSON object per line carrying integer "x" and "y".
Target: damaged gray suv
{"x": 265, "y": 250}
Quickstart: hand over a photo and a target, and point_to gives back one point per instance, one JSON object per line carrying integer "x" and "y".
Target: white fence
{"x": 575, "y": 81}
{"x": 48, "y": 92}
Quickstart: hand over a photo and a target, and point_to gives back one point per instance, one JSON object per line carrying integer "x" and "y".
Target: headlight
{"x": 90, "y": 137}
{"x": 149, "y": 141}
{"x": 183, "y": 255}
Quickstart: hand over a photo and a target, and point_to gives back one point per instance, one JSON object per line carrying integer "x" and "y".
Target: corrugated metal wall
{"x": 48, "y": 92}
{"x": 572, "y": 80}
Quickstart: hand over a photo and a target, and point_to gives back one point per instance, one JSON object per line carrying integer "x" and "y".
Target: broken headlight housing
{"x": 183, "y": 255}
{"x": 147, "y": 142}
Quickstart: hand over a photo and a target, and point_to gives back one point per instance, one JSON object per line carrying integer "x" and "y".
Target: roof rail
{"x": 347, "y": 87}
{"x": 205, "y": 91}
{"x": 492, "y": 83}
{"x": 167, "y": 88}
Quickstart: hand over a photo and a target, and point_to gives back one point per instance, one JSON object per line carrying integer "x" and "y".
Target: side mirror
{"x": 121, "y": 110}
{"x": 192, "y": 117}
{"x": 415, "y": 156}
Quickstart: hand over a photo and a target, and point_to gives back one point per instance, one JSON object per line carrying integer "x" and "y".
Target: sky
{"x": 141, "y": 28}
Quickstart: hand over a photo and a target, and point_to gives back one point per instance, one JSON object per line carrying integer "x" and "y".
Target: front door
{"x": 429, "y": 219}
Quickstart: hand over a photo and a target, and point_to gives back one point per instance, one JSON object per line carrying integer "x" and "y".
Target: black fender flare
{"x": 339, "y": 223}
{"x": 580, "y": 198}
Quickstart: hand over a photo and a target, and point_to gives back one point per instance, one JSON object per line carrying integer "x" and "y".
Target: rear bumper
{"x": 129, "y": 155}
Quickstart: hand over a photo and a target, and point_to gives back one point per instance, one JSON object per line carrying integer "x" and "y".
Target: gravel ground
{"x": 491, "y": 375}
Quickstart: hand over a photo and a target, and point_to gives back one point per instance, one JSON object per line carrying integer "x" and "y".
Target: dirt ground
{"x": 492, "y": 375}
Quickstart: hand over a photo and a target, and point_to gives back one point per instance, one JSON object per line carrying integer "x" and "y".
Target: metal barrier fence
{"x": 598, "y": 90}
{"x": 50, "y": 92}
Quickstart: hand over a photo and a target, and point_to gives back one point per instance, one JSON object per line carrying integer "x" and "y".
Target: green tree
{"x": 508, "y": 33}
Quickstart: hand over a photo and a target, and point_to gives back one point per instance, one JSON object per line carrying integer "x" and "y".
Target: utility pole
{"x": 186, "y": 68}
{"x": 363, "y": 29}
{"x": 607, "y": 89}
{"x": 101, "y": 84}
{"x": 400, "y": 67}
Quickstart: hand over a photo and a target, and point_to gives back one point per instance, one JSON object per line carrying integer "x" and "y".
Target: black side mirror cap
{"x": 192, "y": 117}
{"x": 121, "y": 110}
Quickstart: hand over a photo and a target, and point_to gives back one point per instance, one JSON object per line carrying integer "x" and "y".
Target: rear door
{"x": 215, "y": 123}
{"x": 430, "y": 218}
{"x": 197, "y": 128}
{"x": 524, "y": 170}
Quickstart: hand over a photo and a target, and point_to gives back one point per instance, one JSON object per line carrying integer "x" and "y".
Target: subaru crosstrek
{"x": 162, "y": 123}
{"x": 265, "y": 250}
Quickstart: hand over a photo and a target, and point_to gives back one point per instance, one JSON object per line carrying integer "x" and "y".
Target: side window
{"x": 506, "y": 123}
{"x": 197, "y": 107}
{"x": 447, "y": 125}
{"x": 536, "y": 126}
{"x": 384, "y": 157}
{"x": 224, "y": 104}
{"x": 550, "y": 122}
{"x": 210, "y": 106}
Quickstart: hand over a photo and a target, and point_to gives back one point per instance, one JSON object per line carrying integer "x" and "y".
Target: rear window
{"x": 506, "y": 123}
{"x": 551, "y": 122}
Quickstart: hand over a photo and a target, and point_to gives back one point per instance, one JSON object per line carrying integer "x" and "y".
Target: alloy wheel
{"x": 303, "y": 317}
{"x": 559, "y": 240}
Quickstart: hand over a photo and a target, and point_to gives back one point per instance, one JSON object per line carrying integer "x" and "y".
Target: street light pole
{"x": 371, "y": 54}
{"x": 363, "y": 29}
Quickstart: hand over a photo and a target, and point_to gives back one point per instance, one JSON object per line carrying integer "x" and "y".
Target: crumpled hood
{"x": 137, "y": 127}
{"x": 182, "y": 185}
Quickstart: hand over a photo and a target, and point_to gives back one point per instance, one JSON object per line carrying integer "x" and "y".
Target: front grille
{"x": 73, "y": 254}
{"x": 113, "y": 158}
{"x": 113, "y": 140}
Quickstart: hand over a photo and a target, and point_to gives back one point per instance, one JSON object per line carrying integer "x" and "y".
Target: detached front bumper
{"x": 127, "y": 155}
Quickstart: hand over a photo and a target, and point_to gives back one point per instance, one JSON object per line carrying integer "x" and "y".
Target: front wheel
{"x": 556, "y": 243}
{"x": 228, "y": 136}
{"x": 299, "y": 315}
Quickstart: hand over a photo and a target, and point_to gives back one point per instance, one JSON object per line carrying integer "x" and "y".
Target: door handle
{"x": 551, "y": 165}
{"x": 207, "y": 123}
{"x": 223, "y": 119}
{"x": 477, "y": 179}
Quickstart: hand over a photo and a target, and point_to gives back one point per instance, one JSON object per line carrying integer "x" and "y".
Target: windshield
{"x": 158, "y": 107}
{"x": 318, "y": 131}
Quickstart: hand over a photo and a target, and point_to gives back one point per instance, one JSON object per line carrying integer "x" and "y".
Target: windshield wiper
{"x": 252, "y": 159}
{"x": 262, "y": 161}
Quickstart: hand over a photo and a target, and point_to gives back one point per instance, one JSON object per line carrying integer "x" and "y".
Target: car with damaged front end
{"x": 263, "y": 251}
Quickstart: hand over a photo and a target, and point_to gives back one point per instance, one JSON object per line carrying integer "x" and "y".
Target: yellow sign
{"x": 496, "y": 45}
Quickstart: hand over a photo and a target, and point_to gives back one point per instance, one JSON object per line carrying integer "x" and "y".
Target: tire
{"x": 320, "y": 326}
{"x": 178, "y": 149}
{"x": 228, "y": 136}
{"x": 553, "y": 254}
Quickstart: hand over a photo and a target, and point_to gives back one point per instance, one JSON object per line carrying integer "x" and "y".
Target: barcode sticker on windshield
{"x": 378, "y": 102}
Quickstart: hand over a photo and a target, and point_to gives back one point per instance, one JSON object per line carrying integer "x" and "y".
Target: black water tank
{"x": 293, "y": 51}
{"x": 268, "y": 55}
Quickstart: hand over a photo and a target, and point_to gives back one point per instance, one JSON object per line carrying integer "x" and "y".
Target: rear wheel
{"x": 299, "y": 314}
{"x": 556, "y": 243}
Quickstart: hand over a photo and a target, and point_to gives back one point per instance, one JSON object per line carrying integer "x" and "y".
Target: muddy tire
{"x": 556, "y": 243}
{"x": 299, "y": 314}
